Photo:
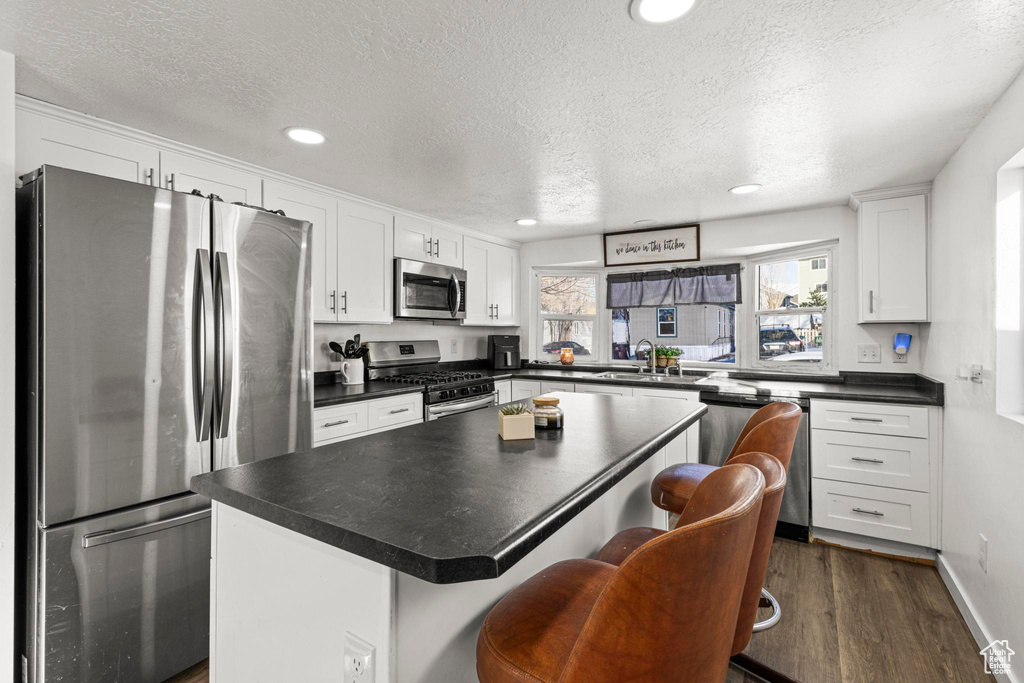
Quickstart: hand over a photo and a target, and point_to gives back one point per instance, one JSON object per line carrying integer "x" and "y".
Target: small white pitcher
{"x": 352, "y": 371}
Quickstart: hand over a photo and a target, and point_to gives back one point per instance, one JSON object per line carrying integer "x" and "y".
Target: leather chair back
{"x": 775, "y": 486}
{"x": 772, "y": 430}
{"x": 669, "y": 612}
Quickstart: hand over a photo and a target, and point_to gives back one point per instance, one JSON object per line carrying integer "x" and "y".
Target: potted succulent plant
{"x": 515, "y": 421}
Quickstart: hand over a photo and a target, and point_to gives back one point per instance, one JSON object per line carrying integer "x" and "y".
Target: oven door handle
{"x": 453, "y": 408}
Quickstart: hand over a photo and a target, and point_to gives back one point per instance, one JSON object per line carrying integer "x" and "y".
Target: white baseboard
{"x": 981, "y": 636}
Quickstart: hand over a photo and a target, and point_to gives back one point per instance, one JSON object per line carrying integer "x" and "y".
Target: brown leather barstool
{"x": 771, "y": 430}
{"x": 625, "y": 542}
{"x": 667, "y": 612}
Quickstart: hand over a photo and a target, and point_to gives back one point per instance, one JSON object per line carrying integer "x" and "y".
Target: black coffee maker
{"x": 503, "y": 351}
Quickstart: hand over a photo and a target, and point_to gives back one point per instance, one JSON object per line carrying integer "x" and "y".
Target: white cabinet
{"x": 525, "y": 389}
{"x": 185, "y": 173}
{"x": 875, "y": 470}
{"x": 892, "y": 234}
{"x": 365, "y": 263}
{"x": 504, "y": 389}
{"x": 362, "y": 418}
{"x": 42, "y": 140}
{"x": 685, "y": 448}
{"x": 547, "y": 387}
{"x": 491, "y": 276}
{"x": 419, "y": 240}
{"x": 322, "y": 211}
{"x": 604, "y": 389}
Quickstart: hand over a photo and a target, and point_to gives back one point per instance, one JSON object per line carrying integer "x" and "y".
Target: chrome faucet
{"x": 651, "y": 361}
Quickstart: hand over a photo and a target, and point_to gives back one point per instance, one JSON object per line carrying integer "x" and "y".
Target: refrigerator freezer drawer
{"x": 124, "y": 597}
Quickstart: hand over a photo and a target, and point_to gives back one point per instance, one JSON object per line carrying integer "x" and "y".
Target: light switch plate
{"x": 453, "y": 346}
{"x": 869, "y": 353}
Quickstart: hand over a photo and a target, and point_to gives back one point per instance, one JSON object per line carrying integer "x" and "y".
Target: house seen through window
{"x": 691, "y": 333}
{"x": 792, "y": 296}
{"x": 568, "y": 313}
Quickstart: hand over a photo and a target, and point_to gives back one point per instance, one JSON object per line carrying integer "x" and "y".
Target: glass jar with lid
{"x": 547, "y": 414}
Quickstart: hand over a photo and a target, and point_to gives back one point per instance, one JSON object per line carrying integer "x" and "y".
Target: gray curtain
{"x": 680, "y": 286}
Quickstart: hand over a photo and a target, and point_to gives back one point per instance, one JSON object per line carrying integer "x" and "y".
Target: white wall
{"x": 7, "y": 425}
{"x": 471, "y": 341}
{"x": 739, "y": 237}
{"x": 983, "y": 490}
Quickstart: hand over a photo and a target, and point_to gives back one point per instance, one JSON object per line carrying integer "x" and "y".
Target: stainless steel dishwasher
{"x": 727, "y": 413}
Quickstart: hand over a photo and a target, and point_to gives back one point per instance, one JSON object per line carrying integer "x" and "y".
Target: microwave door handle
{"x": 458, "y": 295}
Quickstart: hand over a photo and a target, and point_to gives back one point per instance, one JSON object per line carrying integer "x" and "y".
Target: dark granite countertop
{"x": 325, "y": 395}
{"x": 448, "y": 501}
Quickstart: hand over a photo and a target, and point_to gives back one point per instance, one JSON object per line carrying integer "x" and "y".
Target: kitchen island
{"x": 406, "y": 539}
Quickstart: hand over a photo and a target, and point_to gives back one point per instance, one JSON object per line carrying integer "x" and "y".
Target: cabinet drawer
{"x": 389, "y": 412}
{"x": 870, "y": 418}
{"x": 644, "y": 392}
{"x": 337, "y": 421}
{"x": 604, "y": 389}
{"x": 871, "y": 511}
{"x": 548, "y": 387}
{"x": 875, "y": 459}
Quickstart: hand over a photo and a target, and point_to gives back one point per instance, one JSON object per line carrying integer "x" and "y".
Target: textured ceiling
{"x": 482, "y": 111}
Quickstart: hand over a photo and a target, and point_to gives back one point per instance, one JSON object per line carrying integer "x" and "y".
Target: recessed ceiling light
{"x": 306, "y": 136}
{"x": 659, "y": 11}
{"x": 526, "y": 221}
{"x": 745, "y": 189}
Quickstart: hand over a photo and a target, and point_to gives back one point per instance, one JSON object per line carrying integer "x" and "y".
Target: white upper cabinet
{"x": 185, "y": 173}
{"x": 491, "y": 271}
{"x": 422, "y": 241}
{"x": 893, "y": 238}
{"x": 44, "y": 140}
{"x": 322, "y": 211}
{"x": 365, "y": 263}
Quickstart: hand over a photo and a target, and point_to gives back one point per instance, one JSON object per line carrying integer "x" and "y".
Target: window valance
{"x": 701, "y": 285}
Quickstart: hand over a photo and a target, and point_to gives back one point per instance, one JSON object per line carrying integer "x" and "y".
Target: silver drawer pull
{"x": 880, "y": 462}
{"x": 104, "y": 537}
{"x": 335, "y": 424}
{"x": 876, "y": 513}
{"x": 399, "y": 410}
{"x": 866, "y": 419}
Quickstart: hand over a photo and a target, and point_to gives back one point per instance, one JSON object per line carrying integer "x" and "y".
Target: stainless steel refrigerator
{"x": 165, "y": 334}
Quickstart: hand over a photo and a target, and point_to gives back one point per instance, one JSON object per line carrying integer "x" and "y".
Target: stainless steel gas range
{"x": 447, "y": 392}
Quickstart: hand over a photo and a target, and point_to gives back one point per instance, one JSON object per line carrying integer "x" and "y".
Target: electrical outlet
{"x": 359, "y": 660}
{"x": 899, "y": 357}
{"x": 869, "y": 353}
{"x": 983, "y": 552}
{"x": 453, "y": 346}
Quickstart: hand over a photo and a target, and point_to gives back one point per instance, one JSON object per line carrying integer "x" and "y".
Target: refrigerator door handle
{"x": 104, "y": 537}
{"x": 226, "y": 333}
{"x": 202, "y": 346}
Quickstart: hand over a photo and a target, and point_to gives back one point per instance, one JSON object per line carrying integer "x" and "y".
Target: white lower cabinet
{"x": 547, "y": 387}
{"x": 504, "y": 389}
{"x": 525, "y": 389}
{"x": 876, "y": 470}
{"x": 604, "y": 389}
{"x": 352, "y": 420}
{"x": 685, "y": 448}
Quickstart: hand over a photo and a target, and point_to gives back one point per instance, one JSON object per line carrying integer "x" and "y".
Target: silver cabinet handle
{"x": 399, "y": 410}
{"x": 874, "y": 513}
{"x": 866, "y": 419}
{"x": 497, "y": 312}
{"x": 170, "y": 181}
{"x": 430, "y": 247}
{"x": 335, "y": 424}
{"x": 226, "y": 333}
{"x": 334, "y": 301}
{"x": 104, "y": 537}
{"x": 344, "y": 298}
{"x": 871, "y": 301}
{"x": 875, "y": 460}
{"x": 149, "y": 177}
{"x": 202, "y": 345}
{"x": 437, "y": 248}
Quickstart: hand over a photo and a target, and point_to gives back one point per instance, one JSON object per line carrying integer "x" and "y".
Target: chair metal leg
{"x": 766, "y": 624}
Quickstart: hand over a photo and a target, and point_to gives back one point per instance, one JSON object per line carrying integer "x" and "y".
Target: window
{"x": 792, "y": 301}
{"x": 567, "y": 310}
{"x": 703, "y": 333}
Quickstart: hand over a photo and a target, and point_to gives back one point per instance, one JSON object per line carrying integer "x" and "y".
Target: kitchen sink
{"x": 662, "y": 379}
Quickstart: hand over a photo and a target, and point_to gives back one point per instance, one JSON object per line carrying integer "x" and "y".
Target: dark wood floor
{"x": 848, "y": 617}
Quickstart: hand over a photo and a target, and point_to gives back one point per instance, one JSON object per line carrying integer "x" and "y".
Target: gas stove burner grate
{"x": 427, "y": 378}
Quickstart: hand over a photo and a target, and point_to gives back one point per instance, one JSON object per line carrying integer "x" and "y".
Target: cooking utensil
{"x": 336, "y": 347}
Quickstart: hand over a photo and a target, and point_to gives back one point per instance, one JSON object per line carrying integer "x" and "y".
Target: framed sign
{"x": 658, "y": 245}
{"x": 667, "y": 321}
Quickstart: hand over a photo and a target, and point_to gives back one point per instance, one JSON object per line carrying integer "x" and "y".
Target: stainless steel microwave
{"x": 429, "y": 291}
